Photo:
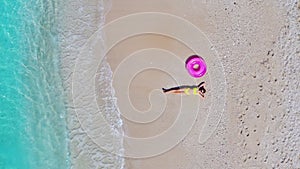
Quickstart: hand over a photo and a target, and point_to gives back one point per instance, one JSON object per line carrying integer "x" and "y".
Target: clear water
{"x": 33, "y": 132}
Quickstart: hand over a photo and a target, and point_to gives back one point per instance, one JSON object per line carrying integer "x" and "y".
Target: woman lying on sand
{"x": 197, "y": 89}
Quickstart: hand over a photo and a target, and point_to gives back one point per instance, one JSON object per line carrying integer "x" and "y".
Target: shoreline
{"x": 81, "y": 20}
{"x": 249, "y": 39}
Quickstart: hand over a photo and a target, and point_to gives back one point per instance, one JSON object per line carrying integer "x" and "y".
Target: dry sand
{"x": 247, "y": 36}
{"x": 258, "y": 46}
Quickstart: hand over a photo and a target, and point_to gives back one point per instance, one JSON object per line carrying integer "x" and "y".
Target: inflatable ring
{"x": 195, "y": 66}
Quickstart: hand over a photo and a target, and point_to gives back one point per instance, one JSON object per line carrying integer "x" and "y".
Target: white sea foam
{"x": 81, "y": 20}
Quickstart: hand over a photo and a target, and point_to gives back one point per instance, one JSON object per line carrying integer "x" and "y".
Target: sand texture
{"x": 250, "y": 116}
{"x": 259, "y": 126}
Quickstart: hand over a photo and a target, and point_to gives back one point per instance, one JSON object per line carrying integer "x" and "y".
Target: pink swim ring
{"x": 195, "y": 66}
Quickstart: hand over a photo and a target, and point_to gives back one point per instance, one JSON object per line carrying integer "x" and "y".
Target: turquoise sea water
{"x": 33, "y": 132}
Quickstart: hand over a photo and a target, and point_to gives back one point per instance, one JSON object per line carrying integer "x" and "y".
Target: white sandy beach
{"x": 257, "y": 43}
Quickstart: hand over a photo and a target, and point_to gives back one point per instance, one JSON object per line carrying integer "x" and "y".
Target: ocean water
{"x": 33, "y": 130}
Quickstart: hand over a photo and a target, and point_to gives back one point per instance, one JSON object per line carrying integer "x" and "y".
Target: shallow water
{"x": 80, "y": 20}
{"x": 33, "y": 131}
